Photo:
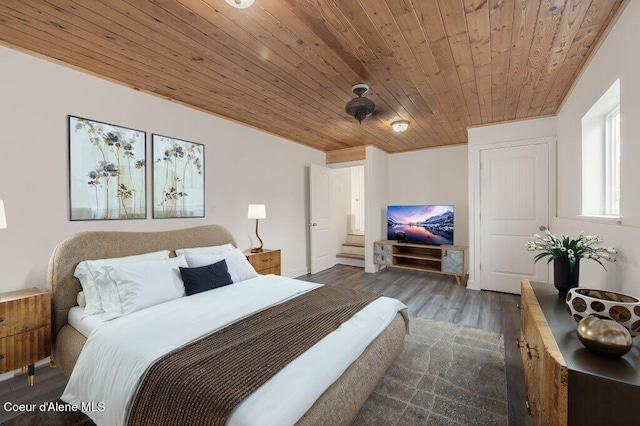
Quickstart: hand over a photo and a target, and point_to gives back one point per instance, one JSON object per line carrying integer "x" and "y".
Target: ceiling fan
{"x": 360, "y": 107}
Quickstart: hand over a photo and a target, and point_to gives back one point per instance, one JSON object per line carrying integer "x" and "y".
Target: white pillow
{"x": 145, "y": 284}
{"x": 82, "y": 302}
{"x": 109, "y": 295}
{"x": 237, "y": 264}
{"x": 205, "y": 250}
{"x": 85, "y": 273}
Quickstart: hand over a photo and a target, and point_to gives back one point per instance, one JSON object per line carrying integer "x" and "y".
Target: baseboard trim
{"x": 473, "y": 285}
{"x": 296, "y": 273}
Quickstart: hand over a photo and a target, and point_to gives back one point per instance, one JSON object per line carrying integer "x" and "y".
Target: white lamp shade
{"x": 257, "y": 211}
{"x": 400, "y": 125}
{"x": 3, "y": 217}
{"x": 240, "y": 4}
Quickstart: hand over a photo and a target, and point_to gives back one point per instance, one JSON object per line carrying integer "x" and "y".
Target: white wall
{"x": 621, "y": 276}
{"x": 512, "y": 131}
{"x": 616, "y": 58}
{"x": 242, "y": 165}
{"x": 341, "y": 206}
{"x": 433, "y": 176}
{"x": 376, "y": 183}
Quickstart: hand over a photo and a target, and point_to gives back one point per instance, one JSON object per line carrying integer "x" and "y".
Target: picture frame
{"x": 107, "y": 171}
{"x": 178, "y": 178}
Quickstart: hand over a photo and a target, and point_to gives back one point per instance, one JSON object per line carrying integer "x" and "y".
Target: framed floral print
{"x": 178, "y": 178}
{"x": 107, "y": 171}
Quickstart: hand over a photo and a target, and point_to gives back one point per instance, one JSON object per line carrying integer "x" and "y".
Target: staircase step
{"x": 353, "y": 249}
{"x": 350, "y": 259}
{"x": 355, "y": 239}
{"x": 351, "y": 255}
{"x": 348, "y": 244}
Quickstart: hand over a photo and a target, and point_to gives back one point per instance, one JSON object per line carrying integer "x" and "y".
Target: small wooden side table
{"x": 25, "y": 330}
{"x": 265, "y": 262}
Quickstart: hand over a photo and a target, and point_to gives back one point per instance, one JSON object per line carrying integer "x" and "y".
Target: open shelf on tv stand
{"x": 444, "y": 259}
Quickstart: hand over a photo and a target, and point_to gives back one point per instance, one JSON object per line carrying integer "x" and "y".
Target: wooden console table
{"x": 566, "y": 383}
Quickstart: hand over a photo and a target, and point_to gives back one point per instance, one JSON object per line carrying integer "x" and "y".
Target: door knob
{"x": 314, "y": 224}
{"x": 542, "y": 228}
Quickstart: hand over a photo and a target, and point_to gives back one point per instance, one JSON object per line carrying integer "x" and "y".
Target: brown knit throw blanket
{"x": 202, "y": 382}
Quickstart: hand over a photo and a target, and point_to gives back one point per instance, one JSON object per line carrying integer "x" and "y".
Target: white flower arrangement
{"x": 571, "y": 249}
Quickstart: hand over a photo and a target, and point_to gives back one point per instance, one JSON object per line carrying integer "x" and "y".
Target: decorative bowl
{"x": 622, "y": 308}
{"x": 604, "y": 337}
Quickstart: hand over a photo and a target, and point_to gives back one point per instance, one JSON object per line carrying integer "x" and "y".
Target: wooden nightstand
{"x": 25, "y": 329}
{"x": 266, "y": 262}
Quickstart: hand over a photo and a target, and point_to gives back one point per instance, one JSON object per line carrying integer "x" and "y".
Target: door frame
{"x": 348, "y": 164}
{"x": 340, "y": 165}
{"x": 475, "y": 255}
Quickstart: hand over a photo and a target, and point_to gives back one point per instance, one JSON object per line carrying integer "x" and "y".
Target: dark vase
{"x": 563, "y": 277}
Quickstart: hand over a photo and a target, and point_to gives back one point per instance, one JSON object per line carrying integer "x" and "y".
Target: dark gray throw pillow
{"x": 203, "y": 278}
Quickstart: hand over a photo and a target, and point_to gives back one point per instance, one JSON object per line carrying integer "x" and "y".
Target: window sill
{"x": 609, "y": 220}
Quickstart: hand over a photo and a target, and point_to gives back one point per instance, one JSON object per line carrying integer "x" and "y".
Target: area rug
{"x": 446, "y": 374}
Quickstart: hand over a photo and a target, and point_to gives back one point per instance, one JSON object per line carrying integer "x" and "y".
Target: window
{"x": 601, "y": 156}
{"x": 612, "y": 163}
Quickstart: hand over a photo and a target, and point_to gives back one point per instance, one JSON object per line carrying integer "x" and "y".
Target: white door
{"x": 357, "y": 197}
{"x": 514, "y": 205}
{"x": 322, "y": 254}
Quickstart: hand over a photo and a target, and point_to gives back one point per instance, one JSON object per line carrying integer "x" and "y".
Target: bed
{"x": 338, "y": 404}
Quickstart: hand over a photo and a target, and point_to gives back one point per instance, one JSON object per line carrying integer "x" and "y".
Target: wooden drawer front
{"x": 24, "y": 314}
{"x": 453, "y": 262}
{"x": 546, "y": 380}
{"x": 25, "y": 348}
{"x": 546, "y": 377}
{"x": 382, "y": 254}
{"x": 533, "y": 370}
{"x": 266, "y": 261}
{"x": 275, "y": 271}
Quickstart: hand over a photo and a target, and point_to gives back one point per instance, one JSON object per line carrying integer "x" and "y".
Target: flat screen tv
{"x": 426, "y": 224}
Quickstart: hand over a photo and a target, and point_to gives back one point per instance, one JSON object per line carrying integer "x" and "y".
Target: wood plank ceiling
{"x": 287, "y": 66}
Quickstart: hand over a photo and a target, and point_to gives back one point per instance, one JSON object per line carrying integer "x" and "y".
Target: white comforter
{"x": 118, "y": 353}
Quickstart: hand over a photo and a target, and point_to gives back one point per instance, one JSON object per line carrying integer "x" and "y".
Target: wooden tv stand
{"x": 445, "y": 259}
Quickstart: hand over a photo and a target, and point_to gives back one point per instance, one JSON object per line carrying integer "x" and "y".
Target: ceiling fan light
{"x": 360, "y": 107}
{"x": 400, "y": 125}
{"x": 240, "y": 4}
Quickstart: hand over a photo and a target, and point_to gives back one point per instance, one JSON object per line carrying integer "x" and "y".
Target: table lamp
{"x": 257, "y": 211}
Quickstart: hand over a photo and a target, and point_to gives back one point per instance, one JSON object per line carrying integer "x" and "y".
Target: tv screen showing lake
{"x": 420, "y": 224}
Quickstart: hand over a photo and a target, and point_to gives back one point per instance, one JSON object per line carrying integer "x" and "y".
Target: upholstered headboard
{"x": 64, "y": 287}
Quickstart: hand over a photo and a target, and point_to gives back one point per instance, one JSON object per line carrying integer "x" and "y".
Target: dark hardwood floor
{"x": 49, "y": 384}
{"x": 429, "y": 296}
